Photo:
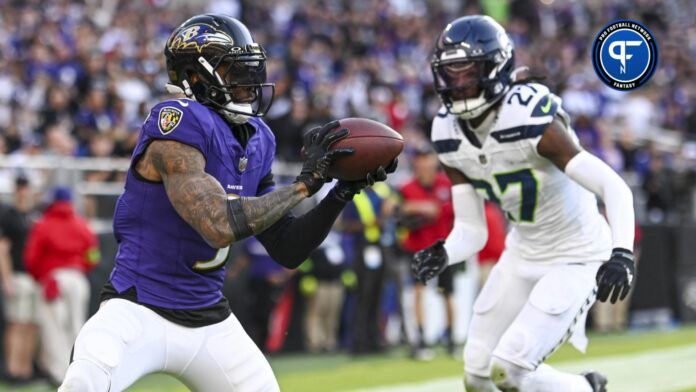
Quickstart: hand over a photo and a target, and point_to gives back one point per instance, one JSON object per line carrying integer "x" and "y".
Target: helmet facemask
{"x": 235, "y": 84}
{"x": 469, "y": 86}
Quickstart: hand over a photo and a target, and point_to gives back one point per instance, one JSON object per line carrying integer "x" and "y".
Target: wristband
{"x": 237, "y": 219}
{"x": 623, "y": 253}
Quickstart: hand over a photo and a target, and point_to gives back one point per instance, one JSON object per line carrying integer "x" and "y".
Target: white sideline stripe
{"x": 664, "y": 370}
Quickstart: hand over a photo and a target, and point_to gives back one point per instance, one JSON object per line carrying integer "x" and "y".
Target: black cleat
{"x": 596, "y": 380}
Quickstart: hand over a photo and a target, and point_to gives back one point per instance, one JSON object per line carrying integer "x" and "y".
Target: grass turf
{"x": 340, "y": 372}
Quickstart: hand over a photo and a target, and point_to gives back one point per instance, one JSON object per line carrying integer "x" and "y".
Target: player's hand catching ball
{"x": 429, "y": 262}
{"x": 345, "y": 190}
{"x": 318, "y": 158}
{"x": 616, "y": 276}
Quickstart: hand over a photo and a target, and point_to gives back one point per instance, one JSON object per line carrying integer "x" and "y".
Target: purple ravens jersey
{"x": 159, "y": 254}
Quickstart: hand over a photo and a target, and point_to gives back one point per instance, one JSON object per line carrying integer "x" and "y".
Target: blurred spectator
{"x": 61, "y": 249}
{"x": 658, "y": 185}
{"x": 609, "y": 152}
{"x": 266, "y": 282}
{"x": 588, "y": 134}
{"x": 323, "y": 286}
{"x": 19, "y": 289}
{"x": 76, "y": 78}
{"x": 361, "y": 224}
{"x": 490, "y": 254}
{"x": 427, "y": 213}
{"x": 290, "y": 128}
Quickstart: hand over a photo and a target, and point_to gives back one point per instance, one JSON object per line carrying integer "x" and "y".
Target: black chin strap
{"x": 198, "y": 89}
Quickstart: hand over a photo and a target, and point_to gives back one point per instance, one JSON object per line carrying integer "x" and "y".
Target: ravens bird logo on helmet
{"x": 198, "y": 37}
{"x": 214, "y": 60}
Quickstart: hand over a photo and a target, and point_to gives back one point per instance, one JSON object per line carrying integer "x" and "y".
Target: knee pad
{"x": 518, "y": 346}
{"x": 506, "y": 375}
{"x": 85, "y": 375}
{"x": 477, "y": 358}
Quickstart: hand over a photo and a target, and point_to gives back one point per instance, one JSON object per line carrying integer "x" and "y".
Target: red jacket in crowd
{"x": 495, "y": 221}
{"x": 437, "y": 229}
{"x": 60, "y": 239}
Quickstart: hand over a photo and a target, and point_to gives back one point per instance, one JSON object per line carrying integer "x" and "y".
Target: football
{"x": 375, "y": 145}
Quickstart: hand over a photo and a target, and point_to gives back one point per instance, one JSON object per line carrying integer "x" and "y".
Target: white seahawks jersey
{"x": 554, "y": 220}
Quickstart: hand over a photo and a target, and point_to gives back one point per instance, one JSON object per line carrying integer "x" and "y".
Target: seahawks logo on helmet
{"x": 472, "y": 65}
{"x": 198, "y": 37}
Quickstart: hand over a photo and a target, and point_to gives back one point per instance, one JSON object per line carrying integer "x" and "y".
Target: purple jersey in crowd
{"x": 162, "y": 256}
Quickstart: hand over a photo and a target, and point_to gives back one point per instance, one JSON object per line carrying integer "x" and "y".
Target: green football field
{"x": 634, "y": 361}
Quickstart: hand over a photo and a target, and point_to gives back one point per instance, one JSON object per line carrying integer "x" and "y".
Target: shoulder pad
{"x": 182, "y": 120}
{"x": 442, "y": 127}
{"x": 171, "y": 114}
{"x": 262, "y": 127}
{"x": 443, "y": 135}
{"x": 525, "y": 112}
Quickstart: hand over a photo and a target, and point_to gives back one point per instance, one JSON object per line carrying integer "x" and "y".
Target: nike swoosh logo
{"x": 547, "y": 107}
{"x": 182, "y": 103}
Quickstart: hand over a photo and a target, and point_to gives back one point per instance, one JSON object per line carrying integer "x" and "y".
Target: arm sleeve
{"x": 469, "y": 234}
{"x": 291, "y": 239}
{"x": 597, "y": 177}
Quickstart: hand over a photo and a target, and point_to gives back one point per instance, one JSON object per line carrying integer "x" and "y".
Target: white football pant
{"x": 124, "y": 341}
{"x": 524, "y": 312}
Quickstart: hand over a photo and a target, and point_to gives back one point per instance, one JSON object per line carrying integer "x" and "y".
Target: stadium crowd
{"x": 77, "y": 78}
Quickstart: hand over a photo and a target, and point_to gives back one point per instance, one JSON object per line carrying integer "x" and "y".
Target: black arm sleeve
{"x": 291, "y": 239}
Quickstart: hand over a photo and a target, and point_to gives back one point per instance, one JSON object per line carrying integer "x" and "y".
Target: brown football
{"x": 375, "y": 145}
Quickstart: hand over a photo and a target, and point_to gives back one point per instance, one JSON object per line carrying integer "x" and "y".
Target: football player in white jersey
{"x": 509, "y": 141}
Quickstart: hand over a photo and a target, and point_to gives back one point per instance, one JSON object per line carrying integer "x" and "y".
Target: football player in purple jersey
{"x": 200, "y": 179}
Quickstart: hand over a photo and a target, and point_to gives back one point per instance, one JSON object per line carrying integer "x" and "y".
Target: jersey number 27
{"x": 528, "y": 189}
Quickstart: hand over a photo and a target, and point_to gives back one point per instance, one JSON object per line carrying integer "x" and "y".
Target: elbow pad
{"x": 470, "y": 233}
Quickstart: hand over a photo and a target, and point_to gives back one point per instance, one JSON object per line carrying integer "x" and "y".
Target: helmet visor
{"x": 461, "y": 79}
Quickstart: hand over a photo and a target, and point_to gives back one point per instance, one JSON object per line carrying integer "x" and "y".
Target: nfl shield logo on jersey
{"x": 169, "y": 118}
{"x": 242, "y": 163}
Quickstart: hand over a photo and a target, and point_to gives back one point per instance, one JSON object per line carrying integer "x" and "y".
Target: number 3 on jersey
{"x": 528, "y": 190}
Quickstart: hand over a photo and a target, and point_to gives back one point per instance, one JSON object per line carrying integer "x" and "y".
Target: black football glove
{"x": 317, "y": 156}
{"x": 429, "y": 262}
{"x": 345, "y": 190}
{"x": 616, "y": 276}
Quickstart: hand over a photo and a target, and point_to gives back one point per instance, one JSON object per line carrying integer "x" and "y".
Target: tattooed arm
{"x": 202, "y": 202}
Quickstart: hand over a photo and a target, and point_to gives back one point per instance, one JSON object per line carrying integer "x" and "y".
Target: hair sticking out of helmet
{"x": 214, "y": 60}
{"x": 472, "y": 65}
